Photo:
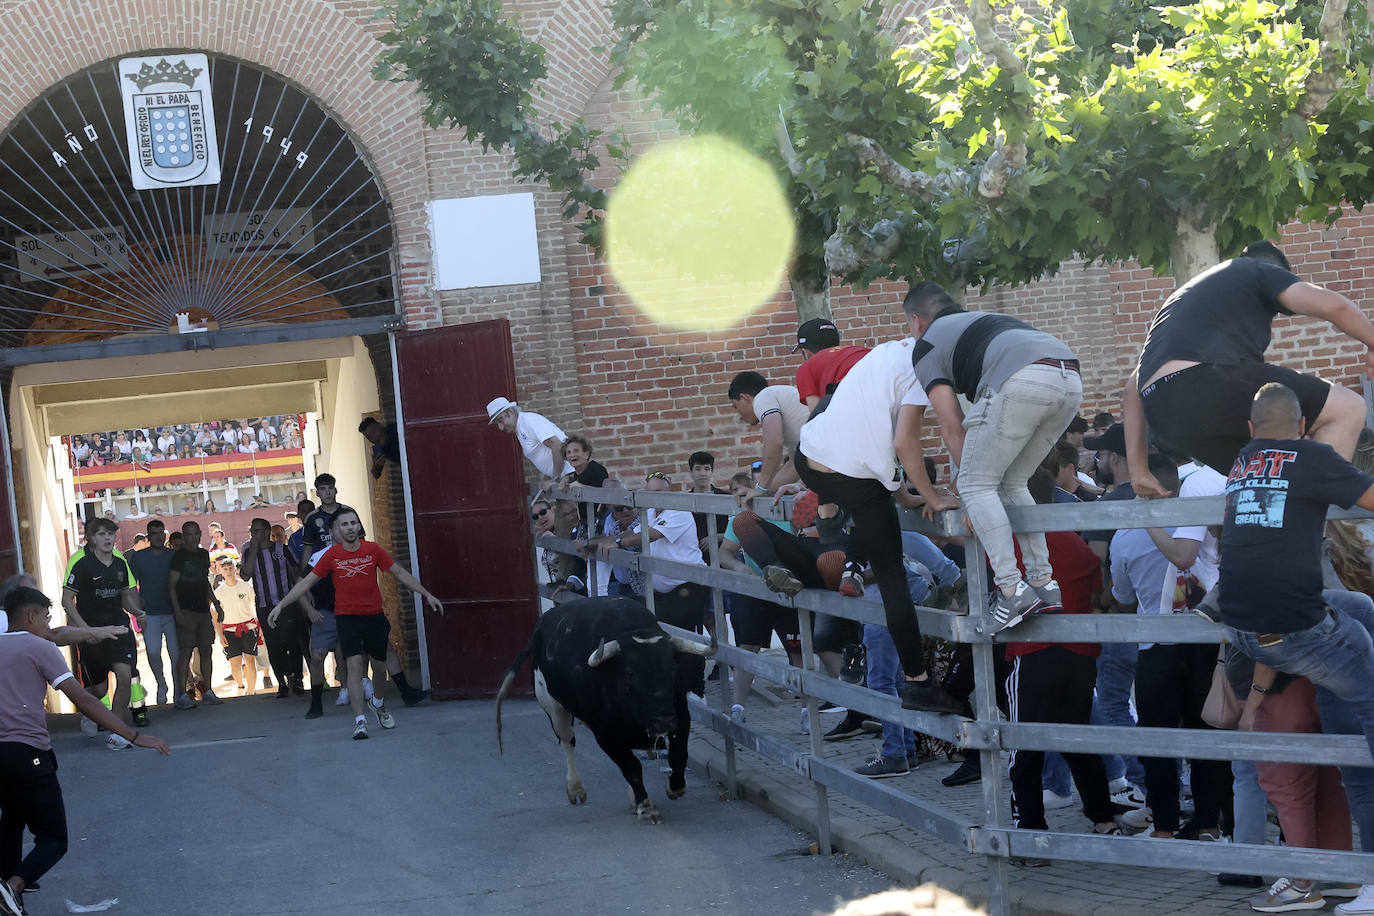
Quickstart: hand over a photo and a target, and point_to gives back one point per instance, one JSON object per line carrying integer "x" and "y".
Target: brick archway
{"x": 308, "y": 43}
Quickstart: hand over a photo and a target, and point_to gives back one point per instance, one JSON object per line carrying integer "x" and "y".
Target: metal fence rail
{"x": 989, "y": 733}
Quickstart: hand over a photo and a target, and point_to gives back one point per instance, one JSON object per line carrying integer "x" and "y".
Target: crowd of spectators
{"x": 185, "y": 440}
{"x": 847, "y": 439}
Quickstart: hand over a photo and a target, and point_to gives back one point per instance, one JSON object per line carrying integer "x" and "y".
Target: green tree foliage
{"x": 972, "y": 146}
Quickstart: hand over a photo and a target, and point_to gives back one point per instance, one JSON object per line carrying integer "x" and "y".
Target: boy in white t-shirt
{"x": 779, "y": 411}
{"x": 849, "y": 455}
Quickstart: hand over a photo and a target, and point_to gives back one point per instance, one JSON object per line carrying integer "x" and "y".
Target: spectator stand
{"x": 989, "y": 733}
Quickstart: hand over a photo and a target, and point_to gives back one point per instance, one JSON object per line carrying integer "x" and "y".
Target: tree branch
{"x": 1335, "y": 40}
{"x": 894, "y": 174}
{"x": 1011, "y": 149}
{"x": 844, "y": 254}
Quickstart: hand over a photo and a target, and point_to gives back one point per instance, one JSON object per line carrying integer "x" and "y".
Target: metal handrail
{"x": 989, "y": 734}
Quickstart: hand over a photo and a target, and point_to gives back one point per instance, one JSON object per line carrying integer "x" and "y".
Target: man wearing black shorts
{"x": 99, "y": 590}
{"x": 353, "y": 565}
{"x": 188, "y": 585}
{"x": 1203, "y": 361}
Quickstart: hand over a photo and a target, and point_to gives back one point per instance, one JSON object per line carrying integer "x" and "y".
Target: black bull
{"x": 606, "y": 662}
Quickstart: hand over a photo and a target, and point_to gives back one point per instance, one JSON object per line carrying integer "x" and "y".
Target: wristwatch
{"x": 617, "y": 542}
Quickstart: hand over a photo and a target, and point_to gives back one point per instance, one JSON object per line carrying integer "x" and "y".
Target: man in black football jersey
{"x": 100, "y": 591}
{"x": 318, "y": 525}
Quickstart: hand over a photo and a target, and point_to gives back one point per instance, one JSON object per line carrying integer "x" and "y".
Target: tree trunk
{"x": 1194, "y": 249}
{"x": 811, "y": 293}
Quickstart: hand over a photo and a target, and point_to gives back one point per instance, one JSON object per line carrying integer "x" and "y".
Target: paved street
{"x": 261, "y": 812}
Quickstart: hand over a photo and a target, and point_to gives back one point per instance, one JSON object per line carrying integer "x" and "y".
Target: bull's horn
{"x": 692, "y": 647}
{"x": 605, "y": 652}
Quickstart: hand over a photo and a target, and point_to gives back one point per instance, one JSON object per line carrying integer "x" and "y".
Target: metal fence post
{"x": 726, "y": 672}
{"x": 996, "y": 810}
{"x": 591, "y": 556}
{"x": 813, "y": 718}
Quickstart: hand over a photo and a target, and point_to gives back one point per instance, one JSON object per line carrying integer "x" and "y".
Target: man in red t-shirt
{"x": 826, "y": 361}
{"x": 1053, "y": 682}
{"x": 352, "y": 565}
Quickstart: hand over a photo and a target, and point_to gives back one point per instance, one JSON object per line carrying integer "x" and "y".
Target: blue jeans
{"x": 921, "y": 549}
{"x": 885, "y": 673}
{"x": 885, "y": 676}
{"x": 1337, "y": 653}
{"x": 1338, "y": 718}
{"x": 1115, "y": 678}
{"x": 158, "y": 628}
{"x": 1249, "y": 803}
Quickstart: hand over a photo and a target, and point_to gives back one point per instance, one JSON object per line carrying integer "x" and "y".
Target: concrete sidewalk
{"x": 259, "y": 811}
{"x": 912, "y": 857}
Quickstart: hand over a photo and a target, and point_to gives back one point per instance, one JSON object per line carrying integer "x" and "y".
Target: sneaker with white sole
{"x": 209, "y": 699}
{"x": 1141, "y": 818}
{"x": 781, "y": 579}
{"x": 1342, "y": 891}
{"x": 342, "y": 699}
{"x": 384, "y": 717}
{"x": 1123, "y": 793}
{"x": 881, "y": 767}
{"x": 852, "y": 581}
{"x": 1363, "y": 905}
{"x": 11, "y": 901}
{"x": 1049, "y": 597}
{"x": 116, "y": 743}
{"x": 737, "y": 714}
{"x": 1008, "y": 611}
{"x": 89, "y": 728}
{"x": 1283, "y": 897}
{"x": 1054, "y": 801}
{"x": 360, "y": 729}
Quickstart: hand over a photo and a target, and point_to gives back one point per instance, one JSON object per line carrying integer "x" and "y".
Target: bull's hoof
{"x": 677, "y": 787}
{"x": 648, "y": 813}
{"x": 577, "y": 795}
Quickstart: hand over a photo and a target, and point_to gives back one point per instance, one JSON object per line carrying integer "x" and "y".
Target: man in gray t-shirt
{"x": 1025, "y": 388}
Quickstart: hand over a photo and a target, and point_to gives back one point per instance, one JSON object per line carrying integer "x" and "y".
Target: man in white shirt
{"x": 1171, "y": 681}
{"x": 670, "y": 534}
{"x": 779, "y": 411}
{"x": 539, "y": 437}
{"x": 848, "y": 455}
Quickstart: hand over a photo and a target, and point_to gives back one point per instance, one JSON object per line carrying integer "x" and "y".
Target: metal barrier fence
{"x": 989, "y": 733}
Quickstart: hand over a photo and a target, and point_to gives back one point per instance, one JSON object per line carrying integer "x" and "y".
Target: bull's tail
{"x": 505, "y": 688}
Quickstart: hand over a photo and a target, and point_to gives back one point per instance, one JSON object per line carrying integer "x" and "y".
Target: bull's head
{"x": 640, "y": 667}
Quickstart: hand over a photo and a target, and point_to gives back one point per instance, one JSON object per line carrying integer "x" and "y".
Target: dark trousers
{"x": 1171, "y": 684}
{"x": 877, "y": 536}
{"x": 768, "y": 545}
{"x": 30, "y": 797}
{"x": 288, "y": 643}
{"x": 1055, "y": 685}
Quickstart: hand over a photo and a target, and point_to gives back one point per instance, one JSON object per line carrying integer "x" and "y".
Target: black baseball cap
{"x": 1113, "y": 440}
{"x": 817, "y": 334}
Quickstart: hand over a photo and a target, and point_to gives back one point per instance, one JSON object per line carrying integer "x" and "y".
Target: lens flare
{"x": 699, "y": 233}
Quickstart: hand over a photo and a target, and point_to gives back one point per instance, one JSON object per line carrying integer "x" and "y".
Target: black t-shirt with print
{"x": 193, "y": 588}
{"x": 1277, "y": 495}
{"x": 1223, "y": 316}
{"x": 100, "y": 589}
{"x": 319, "y": 526}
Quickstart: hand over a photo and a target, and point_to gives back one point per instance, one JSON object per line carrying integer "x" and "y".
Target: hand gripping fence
{"x": 989, "y": 733}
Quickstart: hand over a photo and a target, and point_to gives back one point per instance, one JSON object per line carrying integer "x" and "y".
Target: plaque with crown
{"x": 169, "y": 120}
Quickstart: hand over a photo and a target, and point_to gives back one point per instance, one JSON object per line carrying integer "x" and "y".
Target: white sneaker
{"x": 1363, "y": 905}
{"x": 1141, "y": 818}
{"x": 89, "y": 728}
{"x": 116, "y": 743}
{"x": 1123, "y": 793}
{"x": 343, "y": 697}
{"x": 1054, "y": 801}
{"x": 737, "y": 714}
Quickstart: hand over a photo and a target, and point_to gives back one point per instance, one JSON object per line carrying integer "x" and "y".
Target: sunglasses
{"x": 659, "y": 475}
{"x": 540, "y": 514}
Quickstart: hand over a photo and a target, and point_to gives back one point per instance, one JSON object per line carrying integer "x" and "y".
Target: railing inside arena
{"x": 993, "y": 836}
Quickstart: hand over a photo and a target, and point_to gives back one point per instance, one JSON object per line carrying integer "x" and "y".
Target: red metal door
{"x": 467, "y": 487}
